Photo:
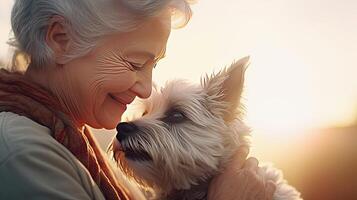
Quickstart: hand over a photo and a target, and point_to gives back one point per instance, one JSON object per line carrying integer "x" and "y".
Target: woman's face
{"x": 102, "y": 83}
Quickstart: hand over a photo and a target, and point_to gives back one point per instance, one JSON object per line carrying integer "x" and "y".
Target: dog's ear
{"x": 224, "y": 89}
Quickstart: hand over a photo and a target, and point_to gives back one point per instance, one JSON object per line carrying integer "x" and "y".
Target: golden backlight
{"x": 301, "y": 87}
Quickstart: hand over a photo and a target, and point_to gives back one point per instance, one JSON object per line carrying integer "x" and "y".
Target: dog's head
{"x": 183, "y": 133}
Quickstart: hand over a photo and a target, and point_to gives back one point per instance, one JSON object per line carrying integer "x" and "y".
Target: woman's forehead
{"x": 148, "y": 40}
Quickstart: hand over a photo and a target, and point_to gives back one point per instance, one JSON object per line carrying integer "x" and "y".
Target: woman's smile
{"x": 121, "y": 101}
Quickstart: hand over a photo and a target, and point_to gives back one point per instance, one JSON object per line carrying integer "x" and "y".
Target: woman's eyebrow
{"x": 141, "y": 54}
{"x": 110, "y": 57}
{"x": 146, "y": 54}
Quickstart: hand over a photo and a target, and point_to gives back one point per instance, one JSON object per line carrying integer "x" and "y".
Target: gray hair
{"x": 86, "y": 20}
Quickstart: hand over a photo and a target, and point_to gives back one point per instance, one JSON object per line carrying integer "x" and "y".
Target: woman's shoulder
{"x": 16, "y": 123}
{"x": 19, "y": 130}
{"x": 29, "y": 154}
{"x": 18, "y": 133}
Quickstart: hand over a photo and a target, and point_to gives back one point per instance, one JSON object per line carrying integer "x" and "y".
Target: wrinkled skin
{"x": 96, "y": 88}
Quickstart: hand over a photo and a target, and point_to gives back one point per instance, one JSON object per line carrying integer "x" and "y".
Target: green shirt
{"x": 33, "y": 165}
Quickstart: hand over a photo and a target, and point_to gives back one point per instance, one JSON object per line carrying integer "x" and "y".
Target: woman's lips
{"x": 122, "y": 105}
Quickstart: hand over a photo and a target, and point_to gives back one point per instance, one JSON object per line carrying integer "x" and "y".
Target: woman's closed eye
{"x": 135, "y": 66}
{"x": 139, "y": 66}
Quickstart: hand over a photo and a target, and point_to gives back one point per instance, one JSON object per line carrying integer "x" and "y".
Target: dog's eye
{"x": 174, "y": 117}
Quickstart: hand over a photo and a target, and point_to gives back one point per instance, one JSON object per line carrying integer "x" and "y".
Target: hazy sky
{"x": 303, "y": 69}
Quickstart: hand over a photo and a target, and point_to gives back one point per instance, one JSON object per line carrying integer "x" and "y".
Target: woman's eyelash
{"x": 136, "y": 66}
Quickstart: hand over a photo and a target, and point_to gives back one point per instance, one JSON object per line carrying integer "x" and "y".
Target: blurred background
{"x": 301, "y": 86}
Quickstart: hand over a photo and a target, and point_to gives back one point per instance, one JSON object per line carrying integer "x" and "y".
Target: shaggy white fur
{"x": 185, "y": 134}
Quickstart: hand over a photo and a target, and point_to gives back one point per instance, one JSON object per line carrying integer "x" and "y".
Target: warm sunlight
{"x": 278, "y": 102}
{"x": 301, "y": 87}
{"x": 281, "y": 94}
{"x": 294, "y": 81}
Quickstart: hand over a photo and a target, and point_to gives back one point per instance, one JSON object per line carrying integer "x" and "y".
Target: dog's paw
{"x": 283, "y": 191}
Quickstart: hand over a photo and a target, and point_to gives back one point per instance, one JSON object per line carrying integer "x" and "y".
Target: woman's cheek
{"x": 114, "y": 79}
{"x": 106, "y": 112}
{"x": 108, "y": 115}
{"x": 89, "y": 97}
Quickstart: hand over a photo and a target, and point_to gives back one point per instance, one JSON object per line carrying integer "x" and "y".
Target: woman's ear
{"x": 57, "y": 38}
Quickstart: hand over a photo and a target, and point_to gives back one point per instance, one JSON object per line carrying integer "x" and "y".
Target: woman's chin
{"x": 109, "y": 126}
{"x": 108, "y": 120}
{"x": 107, "y": 115}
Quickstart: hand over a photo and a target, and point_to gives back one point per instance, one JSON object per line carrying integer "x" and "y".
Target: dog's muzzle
{"x": 125, "y": 130}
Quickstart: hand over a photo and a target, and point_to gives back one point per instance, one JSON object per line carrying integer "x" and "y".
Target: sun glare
{"x": 276, "y": 92}
{"x": 282, "y": 95}
{"x": 278, "y": 116}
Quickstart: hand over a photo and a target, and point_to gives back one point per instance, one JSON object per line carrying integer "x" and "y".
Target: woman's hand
{"x": 240, "y": 181}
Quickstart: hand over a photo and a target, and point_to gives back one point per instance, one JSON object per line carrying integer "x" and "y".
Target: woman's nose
{"x": 143, "y": 86}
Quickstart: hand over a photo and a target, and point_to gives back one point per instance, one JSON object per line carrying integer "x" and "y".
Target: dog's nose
{"x": 125, "y": 129}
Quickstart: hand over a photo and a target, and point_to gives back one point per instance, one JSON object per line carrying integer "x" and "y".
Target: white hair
{"x": 86, "y": 20}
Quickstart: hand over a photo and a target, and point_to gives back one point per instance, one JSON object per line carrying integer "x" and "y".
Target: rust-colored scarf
{"x": 20, "y": 96}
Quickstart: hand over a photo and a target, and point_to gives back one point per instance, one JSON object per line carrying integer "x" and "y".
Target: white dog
{"x": 185, "y": 134}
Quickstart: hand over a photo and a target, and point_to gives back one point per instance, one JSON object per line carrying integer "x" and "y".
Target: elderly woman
{"x": 88, "y": 60}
